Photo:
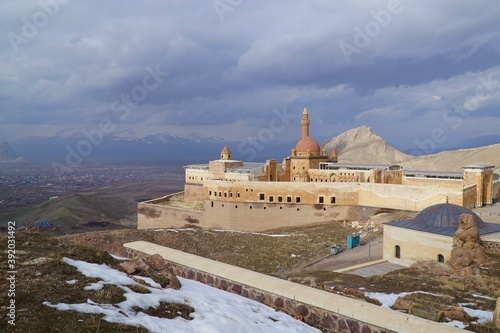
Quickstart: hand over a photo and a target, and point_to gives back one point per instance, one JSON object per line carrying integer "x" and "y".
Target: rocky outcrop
{"x": 152, "y": 266}
{"x": 425, "y": 308}
{"x": 468, "y": 253}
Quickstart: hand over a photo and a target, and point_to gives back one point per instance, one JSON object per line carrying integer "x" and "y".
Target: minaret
{"x": 305, "y": 123}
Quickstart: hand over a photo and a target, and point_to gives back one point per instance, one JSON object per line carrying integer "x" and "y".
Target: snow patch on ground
{"x": 118, "y": 257}
{"x": 388, "y": 300}
{"x": 485, "y": 297}
{"x": 230, "y": 231}
{"x": 456, "y": 323}
{"x": 483, "y": 317}
{"x": 215, "y": 310}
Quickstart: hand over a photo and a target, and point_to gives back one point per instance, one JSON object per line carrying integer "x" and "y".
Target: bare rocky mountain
{"x": 454, "y": 160}
{"x": 361, "y": 145}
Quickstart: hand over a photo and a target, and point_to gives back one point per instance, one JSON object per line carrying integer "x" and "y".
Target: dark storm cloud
{"x": 227, "y": 65}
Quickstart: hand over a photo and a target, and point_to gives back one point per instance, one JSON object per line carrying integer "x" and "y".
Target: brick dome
{"x": 307, "y": 143}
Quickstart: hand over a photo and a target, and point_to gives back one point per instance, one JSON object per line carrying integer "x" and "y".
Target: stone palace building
{"x": 310, "y": 186}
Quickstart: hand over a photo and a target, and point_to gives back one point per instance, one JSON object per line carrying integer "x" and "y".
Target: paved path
{"x": 352, "y": 257}
{"x": 379, "y": 269}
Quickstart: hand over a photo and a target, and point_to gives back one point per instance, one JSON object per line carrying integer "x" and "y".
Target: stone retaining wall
{"x": 328, "y": 311}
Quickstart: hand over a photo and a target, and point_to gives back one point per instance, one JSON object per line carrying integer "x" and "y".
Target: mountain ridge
{"x": 360, "y": 145}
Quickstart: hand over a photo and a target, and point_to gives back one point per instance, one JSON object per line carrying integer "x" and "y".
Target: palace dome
{"x": 307, "y": 143}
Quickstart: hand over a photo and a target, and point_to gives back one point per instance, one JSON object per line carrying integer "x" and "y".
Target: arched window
{"x": 440, "y": 258}
{"x": 397, "y": 251}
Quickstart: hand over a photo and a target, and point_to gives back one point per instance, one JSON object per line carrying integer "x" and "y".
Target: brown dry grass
{"x": 37, "y": 283}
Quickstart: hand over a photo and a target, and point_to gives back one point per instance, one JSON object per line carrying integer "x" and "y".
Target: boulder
{"x": 156, "y": 262}
{"x": 151, "y": 266}
{"x": 456, "y": 313}
{"x": 403, "y": 304}
{"x": 137, "y": 265}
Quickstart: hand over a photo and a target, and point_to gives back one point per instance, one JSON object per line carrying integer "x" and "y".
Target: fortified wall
{"x": 262, "y": 206}
{"x": 249, "y": 217}
{"x": 321, "y": 309}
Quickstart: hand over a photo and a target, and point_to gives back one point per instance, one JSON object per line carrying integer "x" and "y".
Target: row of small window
{"x": 226, "y": 194}
{"x": 250, "y": 207}
{"x": 321, "y": 199}
{"x": 262, "y": 197}
{"x": 194, "y": 178}
{"x": 397, "y": 254}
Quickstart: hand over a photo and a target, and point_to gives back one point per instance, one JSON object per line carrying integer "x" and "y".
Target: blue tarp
{"x": 44, "y": 224}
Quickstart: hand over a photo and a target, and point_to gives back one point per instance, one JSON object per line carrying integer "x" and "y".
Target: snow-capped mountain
{"x": 123, "y": 146}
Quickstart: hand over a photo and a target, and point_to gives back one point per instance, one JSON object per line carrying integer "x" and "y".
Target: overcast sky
{"x": 417, "y": 72}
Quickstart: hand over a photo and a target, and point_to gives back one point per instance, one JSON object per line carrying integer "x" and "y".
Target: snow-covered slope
{"x": 214, "y": 310}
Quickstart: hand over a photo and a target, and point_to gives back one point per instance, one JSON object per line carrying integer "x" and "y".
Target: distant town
{"x": 26, "y": 185}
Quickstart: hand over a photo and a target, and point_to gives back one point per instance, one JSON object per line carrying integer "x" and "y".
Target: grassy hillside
{"x": 79, "y": 213}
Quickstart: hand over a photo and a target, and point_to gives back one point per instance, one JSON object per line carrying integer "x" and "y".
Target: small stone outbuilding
{"x": 429, "y": 236}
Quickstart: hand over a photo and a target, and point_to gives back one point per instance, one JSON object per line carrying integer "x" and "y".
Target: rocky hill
{"x": 456, "y": 159}
{"x": 361, "y": 145}
{"x": 7, "y": 154}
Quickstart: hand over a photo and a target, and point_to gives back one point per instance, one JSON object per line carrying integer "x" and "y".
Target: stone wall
{"x": 411, "y": 248}
{"x": 391, "y": 196}
{"x": 328, "y": 311}
{"x": 247, "y": 207}
{"x": 193, "y": 192}
{"x": 251, "y": 217}
{"x": 309, "y": 314}
{"x": 496, "y": 190}
{"x": 151, "y": 215}
{"x": 258, "y": 217}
